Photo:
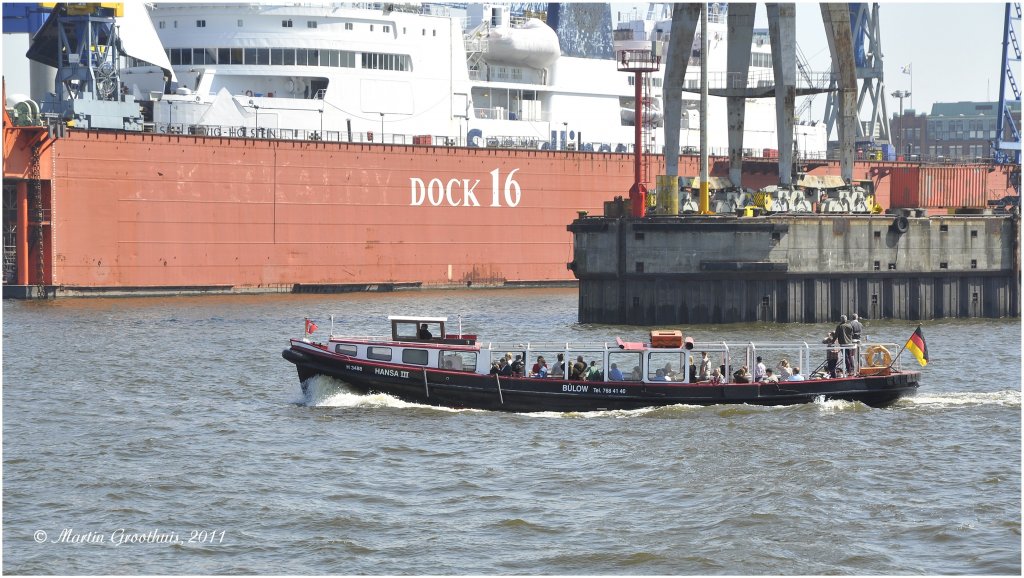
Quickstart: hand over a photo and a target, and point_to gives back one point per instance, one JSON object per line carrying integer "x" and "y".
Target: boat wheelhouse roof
{"x": 417, "y": 318}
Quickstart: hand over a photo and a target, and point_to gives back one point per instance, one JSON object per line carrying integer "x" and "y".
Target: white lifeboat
{"x": 534, "y": 44}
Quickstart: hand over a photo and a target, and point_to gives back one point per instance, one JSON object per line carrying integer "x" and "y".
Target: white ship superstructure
{"x": 433, "y": 74}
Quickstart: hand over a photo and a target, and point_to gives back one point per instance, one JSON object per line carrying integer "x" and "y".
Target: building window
{"x": 200, "y": 23}
{"x": 311, "y": 24}
{"x": 286, "y": 23}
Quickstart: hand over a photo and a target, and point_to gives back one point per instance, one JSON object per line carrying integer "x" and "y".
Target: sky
{"x": 953, "y": 49}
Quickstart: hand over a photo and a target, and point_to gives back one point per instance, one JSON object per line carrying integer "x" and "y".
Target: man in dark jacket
{"x": 844, "y": 336}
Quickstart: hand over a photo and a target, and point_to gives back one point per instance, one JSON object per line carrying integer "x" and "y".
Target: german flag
{"x": 918, "y": 347}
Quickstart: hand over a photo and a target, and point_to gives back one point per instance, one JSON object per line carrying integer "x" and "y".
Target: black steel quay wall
{"x": 795, "y": 268}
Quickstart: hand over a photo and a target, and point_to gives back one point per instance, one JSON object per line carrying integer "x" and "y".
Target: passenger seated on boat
{"x": 558, "y": 370}
{"x": 424, "y": 333}
{"x": 614, "y": 374}
{"x": 518, "y": 366}
{"x": 579, "y": 369}
{"x": 741, "y": 375}
{"x": 716, "y": 376}
{"x": 637, "y": 374}
{"x": 504, "y": 368}
{"x": 659, "y": 376}
{"x": 669, "y": 374}
{"x": 796, "y": 375}
{"x": 540, "y": 369}
{"x": 785, "y": 370}
{"x": 593, "y": 373}
{"x": 769, "y": 376}
{"x": 495, "y": 368}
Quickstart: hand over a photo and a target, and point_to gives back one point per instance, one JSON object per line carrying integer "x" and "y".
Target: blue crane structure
{"x": 1006, "y": 147}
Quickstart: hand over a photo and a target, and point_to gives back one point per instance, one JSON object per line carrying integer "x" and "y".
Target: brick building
{"x": 956, "y": 131}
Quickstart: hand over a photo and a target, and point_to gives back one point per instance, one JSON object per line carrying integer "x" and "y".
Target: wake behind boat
{"x": 421, "y": 363}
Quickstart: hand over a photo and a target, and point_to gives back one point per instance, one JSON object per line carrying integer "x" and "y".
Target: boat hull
{"x": 521, "y": 394}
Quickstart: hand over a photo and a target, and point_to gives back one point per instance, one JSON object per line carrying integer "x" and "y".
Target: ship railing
{"x": 814, "y": 81}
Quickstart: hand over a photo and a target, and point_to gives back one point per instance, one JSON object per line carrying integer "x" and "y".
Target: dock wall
{"x": 797, "y": 268}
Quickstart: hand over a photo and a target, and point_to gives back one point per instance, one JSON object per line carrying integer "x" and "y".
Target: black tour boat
{"x": 421, "y": 363}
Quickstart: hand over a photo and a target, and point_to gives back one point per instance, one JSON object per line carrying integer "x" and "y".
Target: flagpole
{"x": 893, "y": 362}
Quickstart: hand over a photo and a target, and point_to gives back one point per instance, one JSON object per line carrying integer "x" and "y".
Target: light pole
{"x": 901, "y": 94}
{"x": 256, "y": 107}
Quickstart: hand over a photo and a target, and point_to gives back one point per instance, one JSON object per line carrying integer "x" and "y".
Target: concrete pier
{"x": 805, "y": 268}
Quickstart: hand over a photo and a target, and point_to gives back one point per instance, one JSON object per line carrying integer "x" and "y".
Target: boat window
{"x": 415, "y": 356}
{"x": 262, "y": 56}
{"x": 457, "y": 360}
{"x": 300, "y": 56}
{"x": 289, "y": 56}
{"x": 346, "y": 349}
{"x": 664, "y": 366}
{"x": 276, "y": 56}
{"x": 628, "y": 364}
{"x": 250, "y": 56}
{"x": 379, "y": 353}
{"x": 348, "y": 26}
{"x": 311, "y": 24}
{"x": 313, "y": 57}
{"x": 286, "y": 23}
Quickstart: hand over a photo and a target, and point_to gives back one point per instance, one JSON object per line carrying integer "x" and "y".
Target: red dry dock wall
{"x": 157, "y": 210}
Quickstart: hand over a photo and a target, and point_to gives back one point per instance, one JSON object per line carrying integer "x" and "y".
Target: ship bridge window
{"x": 203, "y": 56}
{"x": 300, "y": 56}
{"x": 379, "y": 61}
{"x": 289, "y": 56}
{"x": 250, "y": 56}
{"x": 387, "y": 28}
{"x": 348, "y": 26}
{"x": 200, "y": 23}
{"x": 311, "y": 24}
{"x": 286, "y": 23}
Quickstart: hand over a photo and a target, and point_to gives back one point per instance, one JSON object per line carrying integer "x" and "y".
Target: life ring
{"x": 248, "y": 93}
{"x": 871, "y": 356}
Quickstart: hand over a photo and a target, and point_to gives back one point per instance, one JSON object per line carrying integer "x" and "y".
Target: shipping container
{"x": 938, "y": 187}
